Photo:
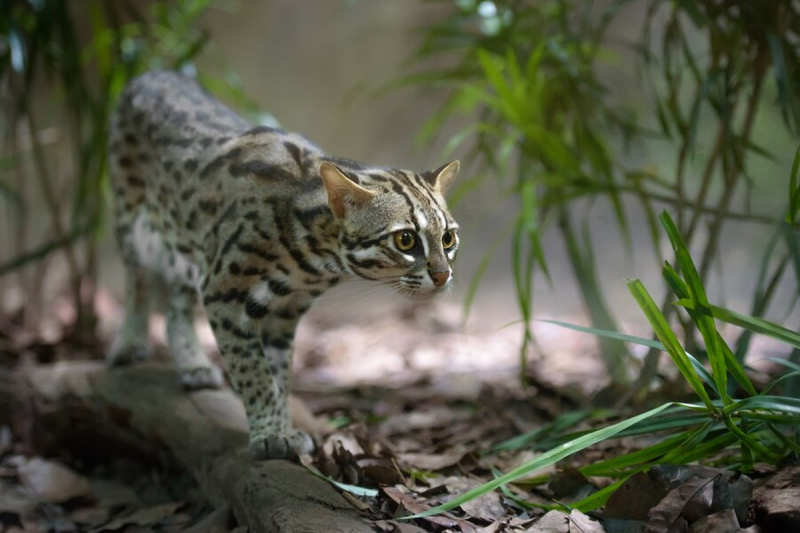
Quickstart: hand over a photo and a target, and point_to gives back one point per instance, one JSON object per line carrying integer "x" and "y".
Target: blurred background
{"x": 578, "y": 122}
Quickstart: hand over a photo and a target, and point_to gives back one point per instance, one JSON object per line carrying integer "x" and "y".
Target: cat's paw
{"x": 127, "y": 353}
{"x": 203, "y": 377}
{"x": 288, "y": 445}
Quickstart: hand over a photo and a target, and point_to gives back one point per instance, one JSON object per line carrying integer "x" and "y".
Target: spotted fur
{"x": 257, "y": 223}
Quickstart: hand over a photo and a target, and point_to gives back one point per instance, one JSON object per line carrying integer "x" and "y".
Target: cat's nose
{"x": 440, "y": 278}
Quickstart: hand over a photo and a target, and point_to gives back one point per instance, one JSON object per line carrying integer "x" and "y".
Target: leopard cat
{"x": 255, "y": 222}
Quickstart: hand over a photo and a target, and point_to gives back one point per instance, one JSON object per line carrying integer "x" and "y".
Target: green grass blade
{"x": 702, "y": 316}
{"x": 691, "y": 439}
{"x": 784, "y": 362}
{"x": 563, "y": 422}
{"x": 599, "y": 498}
{"x": 700, "y": 450}
{"x": 751, "y": 443}
{"x": 674, "y": 281}
{"x": 793, "y": 246}
{"x": 548, "y": 458}
{"x": 757, "y": 325}
{"x": 650, "y": 343}
{"x": 667, "y": 337}
{"x": 770, "y": 403}
{"x": 736, "y": 369}
{"x": 789, "y": 443}
{"x": 606, "y": 333}
{"x": 612, "y": 466}
{"x": 794, "y": 190}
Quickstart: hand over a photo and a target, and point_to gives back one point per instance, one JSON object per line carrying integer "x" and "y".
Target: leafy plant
{"x": 58, "y": 91}
{"x": 736, "y": 430}
{"x": 526, "y": 73}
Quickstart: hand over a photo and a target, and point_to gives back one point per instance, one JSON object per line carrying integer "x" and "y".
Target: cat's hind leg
{"x": 195, "y": 369}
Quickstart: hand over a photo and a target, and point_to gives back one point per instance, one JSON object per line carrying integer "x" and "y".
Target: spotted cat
{"x": 257, "y": 223}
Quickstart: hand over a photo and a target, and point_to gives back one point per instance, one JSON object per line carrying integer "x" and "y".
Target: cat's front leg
{"x": 272, "y": 433}
{"x": 258, "y": 365}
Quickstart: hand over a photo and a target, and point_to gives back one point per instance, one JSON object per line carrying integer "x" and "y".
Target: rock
{"x": 778, "y": 509}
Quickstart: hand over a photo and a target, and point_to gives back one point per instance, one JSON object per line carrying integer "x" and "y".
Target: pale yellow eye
{"x": 404, "y": 240}
{"x": 449, "y": 239}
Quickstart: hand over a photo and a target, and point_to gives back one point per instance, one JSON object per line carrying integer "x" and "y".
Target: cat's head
{"x": 395, "y": 226}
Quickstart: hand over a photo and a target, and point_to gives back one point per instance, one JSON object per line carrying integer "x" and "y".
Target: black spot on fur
{"x": 219, "y": 162}
{"x": 135, "y": 181}
{"x": 255, "y": 310}
{"x": 208, "y": 206}
{"x": 279, "y": 288}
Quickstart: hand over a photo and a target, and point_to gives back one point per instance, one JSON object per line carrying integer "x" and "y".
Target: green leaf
{"x": 558, "y": 425}
{"x": 794, "y": 190}
{"x": 752, "y": 444}
{"x": 736, "y": 369}
{"x": 770, "y": 403}
{"x": 793, "y": 245}
{"x": 702, "y": 316}
{"x": 670, "y": 341}
{"x": 756, "y": 325}
{"x": 598, "y": 499}
{"x": 606, "y": 333}
{"x": 548, "y": 458}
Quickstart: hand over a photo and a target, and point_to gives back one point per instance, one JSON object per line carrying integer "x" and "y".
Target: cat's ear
{"x": 441, "y": 178}
{"x": 343, "y": 193}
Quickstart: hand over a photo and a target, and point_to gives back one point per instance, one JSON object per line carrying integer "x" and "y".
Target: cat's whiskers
{"x": 344, "y": 291}
{"x": 356, "y": 301}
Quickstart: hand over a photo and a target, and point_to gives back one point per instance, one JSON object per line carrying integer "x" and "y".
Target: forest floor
{"x": 412, "y": 407}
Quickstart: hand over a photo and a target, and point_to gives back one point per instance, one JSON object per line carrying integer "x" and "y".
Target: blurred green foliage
{"x": 528, "y": 75}
{"x": 62, "y": 66}
{"x": 732, "y": 430}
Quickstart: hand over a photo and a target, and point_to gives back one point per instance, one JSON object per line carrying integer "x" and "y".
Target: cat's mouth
{"x": 425, "y": 295}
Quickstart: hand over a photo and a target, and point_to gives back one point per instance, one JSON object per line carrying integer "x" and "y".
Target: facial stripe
{"x": 419, "y": 184}
{"x": 396, "y": 187}
{"x": 423, "y": 230}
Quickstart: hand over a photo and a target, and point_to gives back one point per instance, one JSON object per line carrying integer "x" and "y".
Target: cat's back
{"x": 169, "y": 122}
{"x": 186, "y": 158}
{"x": 172, "y": 111}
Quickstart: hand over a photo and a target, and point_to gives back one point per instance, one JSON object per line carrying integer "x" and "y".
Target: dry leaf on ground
{"x": 53, "y": 482}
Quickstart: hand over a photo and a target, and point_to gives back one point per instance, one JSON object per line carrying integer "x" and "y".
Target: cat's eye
{"x": 449, "y": 239}
{"x": 405, "y": 240}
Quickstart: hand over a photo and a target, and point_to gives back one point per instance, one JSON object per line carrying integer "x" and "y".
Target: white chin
{"x": 426, "y": 295}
